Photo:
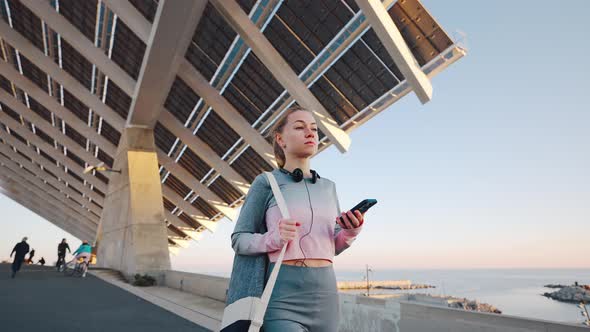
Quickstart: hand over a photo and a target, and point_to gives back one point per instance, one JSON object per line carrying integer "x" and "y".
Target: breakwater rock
{"x": 572, "y": 294}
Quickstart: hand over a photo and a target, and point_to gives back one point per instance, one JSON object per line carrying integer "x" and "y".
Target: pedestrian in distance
{"x": 20, "y": 250}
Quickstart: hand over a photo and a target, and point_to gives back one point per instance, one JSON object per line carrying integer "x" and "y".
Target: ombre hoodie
{"x": 314, "y": 205}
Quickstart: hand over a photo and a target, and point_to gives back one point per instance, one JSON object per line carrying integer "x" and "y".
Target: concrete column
{"x": 133, "y": 236}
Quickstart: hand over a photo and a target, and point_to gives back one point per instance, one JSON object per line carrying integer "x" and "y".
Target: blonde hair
{"x": 278, "y": 129}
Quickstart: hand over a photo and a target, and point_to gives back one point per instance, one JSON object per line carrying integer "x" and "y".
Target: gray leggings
{"x": 283, "y": 325}
{"x": 304, "y": 299}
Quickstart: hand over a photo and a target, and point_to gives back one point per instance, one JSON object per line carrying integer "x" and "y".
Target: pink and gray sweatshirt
{"x": 314, "y": 205}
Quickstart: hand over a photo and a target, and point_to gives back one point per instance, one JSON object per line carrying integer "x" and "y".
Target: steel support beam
{"x": 397, "y": 48}
{"x": 174, "y": 26}
{"x": 58, "y": 171}
{"x": 281, "y": 70}
{"x": 70, "y": 207}
{"x": 82, "y": 44}
{"x": 44, "y": 176}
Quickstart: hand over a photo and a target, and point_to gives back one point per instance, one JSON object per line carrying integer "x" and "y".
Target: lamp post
{"x": 100, "y": 168}
{"x": 366, "y": 277}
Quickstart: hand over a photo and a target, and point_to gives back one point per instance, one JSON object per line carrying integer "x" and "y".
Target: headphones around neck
{"x": 297, "y": 175}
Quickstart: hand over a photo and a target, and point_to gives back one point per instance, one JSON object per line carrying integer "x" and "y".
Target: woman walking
{"x": 305, "y": 297}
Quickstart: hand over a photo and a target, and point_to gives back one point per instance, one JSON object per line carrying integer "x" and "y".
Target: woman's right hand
{"x": 288, "y": 229}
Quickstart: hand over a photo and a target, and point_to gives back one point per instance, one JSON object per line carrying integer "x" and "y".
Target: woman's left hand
{"x": 351, "y": 220}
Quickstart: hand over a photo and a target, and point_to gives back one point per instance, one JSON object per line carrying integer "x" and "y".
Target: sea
{"x": 516, "y": 292}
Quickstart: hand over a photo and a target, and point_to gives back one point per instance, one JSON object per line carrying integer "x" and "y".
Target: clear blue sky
{"x": 493, "y": 172}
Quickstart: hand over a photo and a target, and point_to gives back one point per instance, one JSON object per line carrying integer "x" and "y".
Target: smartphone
{"x": 363, "y": 206}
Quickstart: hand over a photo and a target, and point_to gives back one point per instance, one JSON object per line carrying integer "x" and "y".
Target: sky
{"x": 494, "y": 172}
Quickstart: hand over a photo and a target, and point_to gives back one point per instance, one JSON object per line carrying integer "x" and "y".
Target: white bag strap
{"x": 285, "y": 213}
{"x": 261, "y": 310}
{"x": 278, "y": 195}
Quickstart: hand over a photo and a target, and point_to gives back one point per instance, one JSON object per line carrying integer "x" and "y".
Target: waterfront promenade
{"x": 41, "y": 299}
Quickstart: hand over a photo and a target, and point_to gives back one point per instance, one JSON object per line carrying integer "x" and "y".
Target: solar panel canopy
{"x": 70, "y": 68}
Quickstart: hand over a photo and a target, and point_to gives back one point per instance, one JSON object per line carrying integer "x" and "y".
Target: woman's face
{"x": 300, "y": 135}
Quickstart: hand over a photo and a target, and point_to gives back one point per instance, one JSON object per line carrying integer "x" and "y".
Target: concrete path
{"x": 41, "y": 299}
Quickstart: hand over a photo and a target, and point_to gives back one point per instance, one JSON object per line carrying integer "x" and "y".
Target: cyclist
{"x": 61, "y": 253}
{"x": 85, "y": 252}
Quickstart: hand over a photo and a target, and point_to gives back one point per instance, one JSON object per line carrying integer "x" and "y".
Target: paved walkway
{"x": 41, "y": 299}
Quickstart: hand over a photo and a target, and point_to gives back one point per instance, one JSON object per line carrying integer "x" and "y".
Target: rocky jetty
{"x": 572, "y": 294}
{"x": 404, "y": 287}
{"x": 473, "y": 305}
{"x": 382, "y": 284}
{"x": 452, "y": 302}
{"x": 554, "y": 286}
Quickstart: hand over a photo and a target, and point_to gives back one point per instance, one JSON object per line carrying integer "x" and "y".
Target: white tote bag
{"x": 252, "y": 308}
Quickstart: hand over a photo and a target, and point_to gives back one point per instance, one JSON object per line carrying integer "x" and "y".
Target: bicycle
{"x": 61, "y": 263}
{"x": 77, "y": 270}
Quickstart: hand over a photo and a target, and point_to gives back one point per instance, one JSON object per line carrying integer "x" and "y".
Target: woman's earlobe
{"x": 280, "y": 141}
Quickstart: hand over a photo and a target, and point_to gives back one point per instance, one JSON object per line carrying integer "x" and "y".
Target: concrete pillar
{"x": 132, "y": 236}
